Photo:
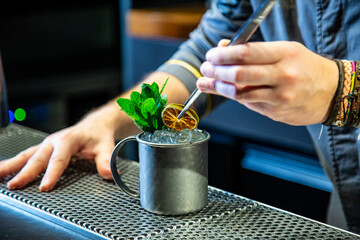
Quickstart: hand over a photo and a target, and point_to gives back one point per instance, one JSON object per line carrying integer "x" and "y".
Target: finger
{"x": 217, "y": 87}
{"x": 34, "y": 166}
{"x": 58, "y": 162}
{"x": 252, "y": 98}
{"x": 102, "y": 159}
{"x": 223, "y": 42}
{"x": 15, "y": 164}
{"x": 258, "y": 94}
{"x": 250, "y": 53}
{"x": 240, "y": 93}
{"x": 242, "y": 74}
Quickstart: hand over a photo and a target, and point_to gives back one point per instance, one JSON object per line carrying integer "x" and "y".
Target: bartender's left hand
{"x": 282, "y": 80}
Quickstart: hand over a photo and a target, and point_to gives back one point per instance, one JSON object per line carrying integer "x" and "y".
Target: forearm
{"x": 213, "y": 27}
{"x": 117, "y": 121}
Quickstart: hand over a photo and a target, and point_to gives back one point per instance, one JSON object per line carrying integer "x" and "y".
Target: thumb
{"x": 102, "y": 160}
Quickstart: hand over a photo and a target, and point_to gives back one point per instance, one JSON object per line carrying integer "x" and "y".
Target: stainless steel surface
{"x": 85, "y": 203}
{"x": 241, "y": 36}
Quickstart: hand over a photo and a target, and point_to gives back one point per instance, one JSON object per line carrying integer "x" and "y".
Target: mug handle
{"x": 114, "y": 171}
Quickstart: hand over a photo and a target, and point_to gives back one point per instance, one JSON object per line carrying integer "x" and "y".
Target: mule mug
{"x": 173, "y": 177}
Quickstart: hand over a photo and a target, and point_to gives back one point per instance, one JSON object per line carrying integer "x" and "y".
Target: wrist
{"x": 111, "y": 119}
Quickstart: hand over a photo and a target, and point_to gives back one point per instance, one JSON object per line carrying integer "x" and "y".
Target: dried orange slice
{"x": 169, "y": 115}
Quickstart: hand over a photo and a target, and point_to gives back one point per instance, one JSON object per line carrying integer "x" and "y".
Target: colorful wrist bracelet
{"x": 337, "y": 99}
{"x": 349, "y": 97}
{"x": 356, "y": 103}
{"x": 345, "y": 104}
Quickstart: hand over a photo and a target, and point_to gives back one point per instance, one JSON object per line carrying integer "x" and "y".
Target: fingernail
{"x": 44, "y": 186}
{"x": 107, "y": 177}
{"x": 10, "y": 185}
{"x": 105, "y": 173}
{"x": 207, "y": 69}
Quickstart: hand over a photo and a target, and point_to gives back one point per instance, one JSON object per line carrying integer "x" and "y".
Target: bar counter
{"x": 84, "y": 206}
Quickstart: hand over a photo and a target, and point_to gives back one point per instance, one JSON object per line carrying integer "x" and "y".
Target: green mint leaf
{"x": 145, "y": 108}
{"x": 155, "y": 88}
{"x": 138, "y": 112}
{"x": 142, "y": 123}
{"x": 146, "y": 91}
{"x": 128, "y": 107}
{"x": 151, "y": 91}
{"x": 156, "y": 95}
{"x": 148, "y": 108}
{"x": 136, "y": 98}
{"x": 143, "y": 126}
{"x": 154, "y": 122}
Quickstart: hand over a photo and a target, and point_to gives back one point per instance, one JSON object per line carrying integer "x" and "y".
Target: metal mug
{"x": 173, "y": 177}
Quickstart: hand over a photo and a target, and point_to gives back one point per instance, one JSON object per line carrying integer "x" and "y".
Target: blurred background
{"x": 62, "y": 59}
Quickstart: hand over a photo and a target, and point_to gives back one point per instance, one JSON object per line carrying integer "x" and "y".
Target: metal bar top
{"x": 85, "y": 203}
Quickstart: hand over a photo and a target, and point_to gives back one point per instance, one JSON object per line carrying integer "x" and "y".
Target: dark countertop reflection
{"x": 17, "y": 225}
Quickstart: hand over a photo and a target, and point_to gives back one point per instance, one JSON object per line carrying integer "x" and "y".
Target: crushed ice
{"x": 170, "y": 136}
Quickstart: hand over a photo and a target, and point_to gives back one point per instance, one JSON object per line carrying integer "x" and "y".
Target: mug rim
{"x": 138, "y": 138}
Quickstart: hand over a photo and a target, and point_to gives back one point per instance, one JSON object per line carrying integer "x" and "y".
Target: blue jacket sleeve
{"x": 220, "y": 21}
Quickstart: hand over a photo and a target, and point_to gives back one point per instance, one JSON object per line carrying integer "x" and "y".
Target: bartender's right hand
{"x": 90, "y": 139}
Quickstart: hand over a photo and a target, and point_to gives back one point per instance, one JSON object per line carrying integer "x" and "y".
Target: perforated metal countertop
{"x": 97, "y": 208}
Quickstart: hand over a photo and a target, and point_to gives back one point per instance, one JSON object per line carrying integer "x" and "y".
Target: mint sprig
{"x": 145, "y": 108}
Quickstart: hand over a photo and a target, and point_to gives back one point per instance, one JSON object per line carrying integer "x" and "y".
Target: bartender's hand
{"x": 93, "y": 138}
{"x": 282, "y": 80}
{"x": 90, "y": 139}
